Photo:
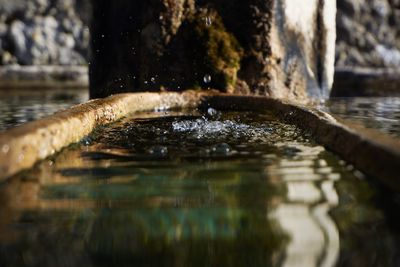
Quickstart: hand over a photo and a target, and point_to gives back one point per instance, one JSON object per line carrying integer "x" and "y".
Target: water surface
{"x": 21, "y": 106}
{"x": 382, "y": 113}
{"x": 190, "y": 189}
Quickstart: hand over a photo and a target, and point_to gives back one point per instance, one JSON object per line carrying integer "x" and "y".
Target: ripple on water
{"x": 226, "y": 189}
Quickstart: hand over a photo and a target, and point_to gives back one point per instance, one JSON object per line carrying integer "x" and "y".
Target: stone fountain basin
{"x": 374, "y": 153}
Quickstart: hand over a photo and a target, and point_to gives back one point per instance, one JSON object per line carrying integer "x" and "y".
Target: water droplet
{"x": 5, "y": 149}
{"x": 221, "y": 149}
{"x": 207, "y": 78}
{"x": 153, "y": 80}
{"x": 212, "y": 112}
{"x": 87, "y": 141}
{"x": 159, "y": 151}
{"x": 208, "y": 21}
{"x": 146, "y": 82}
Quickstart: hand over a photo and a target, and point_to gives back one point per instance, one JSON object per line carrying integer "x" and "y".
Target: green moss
{"x": 218, "y": 51}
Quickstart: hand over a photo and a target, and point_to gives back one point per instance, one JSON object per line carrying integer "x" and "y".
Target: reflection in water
{"x": 373, "y": 112}
{"x": 228, "y": 190}
{"x": 310, "y": 196}
{"x": 24, "y": 106}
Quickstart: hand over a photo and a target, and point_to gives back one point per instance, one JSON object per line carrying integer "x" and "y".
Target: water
{"x": 207, "y": 78}
{"x": 18, "y": 107}
{"x": 373, "y": 112}
{"x": 190, "y": 189}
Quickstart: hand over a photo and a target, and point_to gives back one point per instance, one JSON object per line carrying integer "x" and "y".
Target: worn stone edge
{"x": 21, "y": 147}
{"x": 370, "y": 151}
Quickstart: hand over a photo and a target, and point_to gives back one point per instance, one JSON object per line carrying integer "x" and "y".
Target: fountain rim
{"x": 370, "y": 151}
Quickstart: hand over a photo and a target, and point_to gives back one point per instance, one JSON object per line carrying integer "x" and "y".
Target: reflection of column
{"x": 307, "y": 239}
{"x": 314, "y": 236}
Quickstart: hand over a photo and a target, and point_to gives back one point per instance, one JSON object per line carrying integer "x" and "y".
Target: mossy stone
{"x": 207, "y": 49}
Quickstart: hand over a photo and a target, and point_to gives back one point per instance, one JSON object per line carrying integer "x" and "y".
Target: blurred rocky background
{"x": 55, "y": 32}
{"x": 44, "y": 32}
{"x": 368, "y": 33}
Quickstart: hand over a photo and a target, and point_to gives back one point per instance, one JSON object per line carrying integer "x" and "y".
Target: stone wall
{"x": 43, "y": 32}
{"x": 56, "y": 32}
{"x": 368, "y": 33}
{"x": 279, "y": 48}
{"x": 252, "y": 46}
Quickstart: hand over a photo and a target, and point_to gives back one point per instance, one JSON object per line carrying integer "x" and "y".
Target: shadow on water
{"x": 189, "y": 189}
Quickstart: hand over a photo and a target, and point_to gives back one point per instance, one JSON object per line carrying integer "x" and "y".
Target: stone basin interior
{"x": 197, "y": 188}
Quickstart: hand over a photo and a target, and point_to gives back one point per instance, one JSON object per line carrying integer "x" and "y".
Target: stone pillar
{"x": 280, "y": 48}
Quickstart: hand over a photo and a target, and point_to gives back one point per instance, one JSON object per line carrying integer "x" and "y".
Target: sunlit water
{"x": 179, "y": 189}
{"x": 18, "y": 107}
{"x": 373, "y": 112}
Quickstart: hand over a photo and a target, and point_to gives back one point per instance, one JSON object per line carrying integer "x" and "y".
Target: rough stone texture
{"x": 43, "y": 32}
{"x": 368, "y": 33}
{"x": 280, "y": 48}
{"x": 303, "y": 45}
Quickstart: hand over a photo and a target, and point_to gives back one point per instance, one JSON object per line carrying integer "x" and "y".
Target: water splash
{"x": 208, "y": 21}
{"x": 207, "y": 78}
{"x": 213, "y": 129}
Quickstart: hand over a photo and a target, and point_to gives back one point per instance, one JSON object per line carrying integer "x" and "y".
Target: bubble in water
{"x": 221, "y": 149}
{"x": 208, "y": 21}
{"x": 291, "y": 151}
{"x": 212, "y": 112}
{"x": 159, "y": 151}
{"x": 207, "y": 78}
{"x": 87, "y": 141}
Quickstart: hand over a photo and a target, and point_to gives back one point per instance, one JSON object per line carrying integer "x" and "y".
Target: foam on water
{"x": 209, "y": 129}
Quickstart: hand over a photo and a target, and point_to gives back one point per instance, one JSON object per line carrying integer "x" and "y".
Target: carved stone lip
{"x": 370, "y": 151}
